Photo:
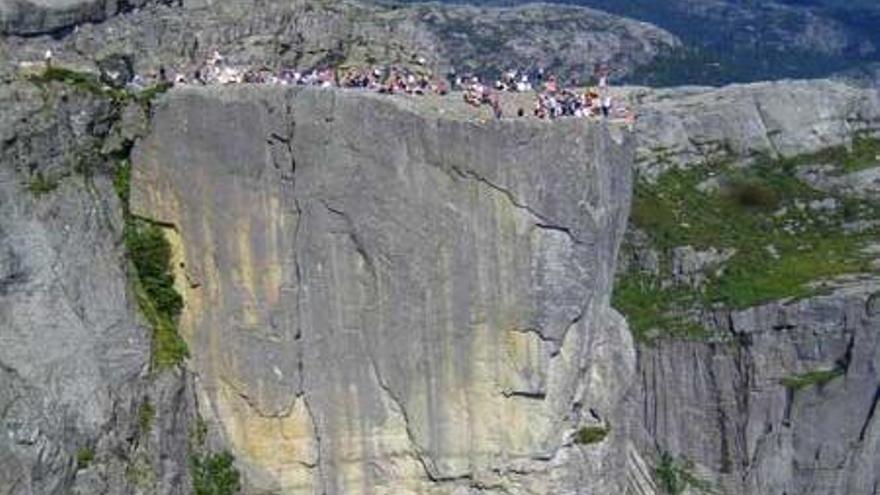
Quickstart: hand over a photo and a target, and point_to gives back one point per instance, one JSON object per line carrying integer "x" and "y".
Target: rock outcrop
{"x": 382, "y": 301}
{"x": 788, "y": 405}
{"x": 74, "y": 353}
{"x": 34, "y": 17}
{"x": 683, "y": 126}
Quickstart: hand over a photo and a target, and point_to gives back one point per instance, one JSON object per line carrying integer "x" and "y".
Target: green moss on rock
{"x": 811, "y": 378}
{"x": 587, "y": 435}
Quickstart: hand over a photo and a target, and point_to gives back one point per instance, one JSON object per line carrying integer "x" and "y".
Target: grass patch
{"x": 651, "y": 309}
{"x": 40, "y": 184}
{"x": 762, "y": 212}
{"x": 675, "y": 476}
{"x": 811, "y": 378}
{"x": 153, "y": 285}
{"x": 198, "y": 435}
{"x": 84, "y": 457}
{"x": 215, "y": 474}
{"x": 865, "y": 153}
{"x": 154, "y": 290}
{"x": 122, "y": 183}
{"x": 151, "y": 254}
{"x": 591, "y": 434}
{"x": 91, "y": 83}
{"x": 146, "y": 415}
{"x": 81, "y": 80}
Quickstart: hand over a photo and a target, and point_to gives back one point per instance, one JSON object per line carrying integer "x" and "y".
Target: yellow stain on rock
{"x": 282, "y": 448}
{"x": 244, "y": 273}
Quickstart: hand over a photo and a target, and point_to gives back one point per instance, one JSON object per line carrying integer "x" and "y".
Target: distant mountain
{"x": 739, "y": 41}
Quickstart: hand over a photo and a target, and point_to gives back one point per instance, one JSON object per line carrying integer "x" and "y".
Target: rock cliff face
{"x": 779, "y": 397}
{"x": 683, "y": 126}
{"x": 385, "y": 295}
{"x": 380, "y": 301}
{"x": 729, "y": 407}
{"x": 74, "y": 353}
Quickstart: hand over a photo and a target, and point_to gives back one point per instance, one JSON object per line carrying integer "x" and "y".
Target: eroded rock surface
{"x": 383, "y": 301}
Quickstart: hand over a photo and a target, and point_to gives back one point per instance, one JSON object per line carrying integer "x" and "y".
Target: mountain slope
{"x": 304, "y": 34}
{"x": 730, "y": 41}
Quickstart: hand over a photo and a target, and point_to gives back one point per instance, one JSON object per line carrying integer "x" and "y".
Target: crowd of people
{"x": 552, "y": 99}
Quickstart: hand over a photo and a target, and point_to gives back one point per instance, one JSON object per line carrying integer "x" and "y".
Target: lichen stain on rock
{"x": 281, "y": 449}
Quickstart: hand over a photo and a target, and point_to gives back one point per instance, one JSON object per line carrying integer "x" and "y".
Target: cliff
{"x": 749, "y": 278}
{"x": 386, "y": 301}
{"x": 392, "y": 295}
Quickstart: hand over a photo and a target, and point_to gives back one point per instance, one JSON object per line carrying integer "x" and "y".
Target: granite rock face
{"x": 735, "y": 410}
{"x": 682, "y": 126}
{"x": 382, "y": 301}
{"x": 74, "y": 354}
{"x": 33, "y": 17}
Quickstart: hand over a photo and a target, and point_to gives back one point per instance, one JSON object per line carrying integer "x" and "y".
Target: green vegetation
{"x": 84, "y": 457}
{"x": 81, "y": 80}
{"x": 146, "y": 415}
{"x": 153, "y": 287}
{"x": 674, "y": 476}
{"x": 151, "y": 254}
{"x": 91, "y": 83}
{"x": 215, "y": 474}
{"x": 865, "y": 153}
{"x": 811, "y": 378}
{"x": 782, "y": 246}
{"x": 199, "y": 433}
{"x": 650, "y": 308}
{"x": 122, "y": 183}
{"x": 147, "y": 95}
{"x": 139, "y": 472}
{"x": 154, "y": 290}
{"x": 149, "y": 251}
{"x": 591, "y": 434}
{"x": 41, "y": 184}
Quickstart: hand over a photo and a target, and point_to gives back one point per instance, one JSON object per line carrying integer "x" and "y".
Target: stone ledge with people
{"x": 552, "y": 100}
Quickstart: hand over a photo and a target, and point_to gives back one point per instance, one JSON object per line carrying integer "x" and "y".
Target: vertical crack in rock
{"x": 419, "y": 454}
{"x": 543, "y": 221}
{"x": 762, "y": 116}
{"x": 871, "y": 411}
{"x": 316, "y": 433}
{"x": 289, "y": 193}
{"x": 721, "y": 418}
{"x": 359, "y": 245}
{"x": 745, "y": 366}
{"x": 574, "y": 321}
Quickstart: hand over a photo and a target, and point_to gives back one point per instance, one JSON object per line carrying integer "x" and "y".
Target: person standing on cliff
{"x": 47, "y": 57}
{"x": 606, "y": 105}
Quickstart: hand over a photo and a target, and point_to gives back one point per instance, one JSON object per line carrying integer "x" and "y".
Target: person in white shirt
{"x": 606, "y": 105}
